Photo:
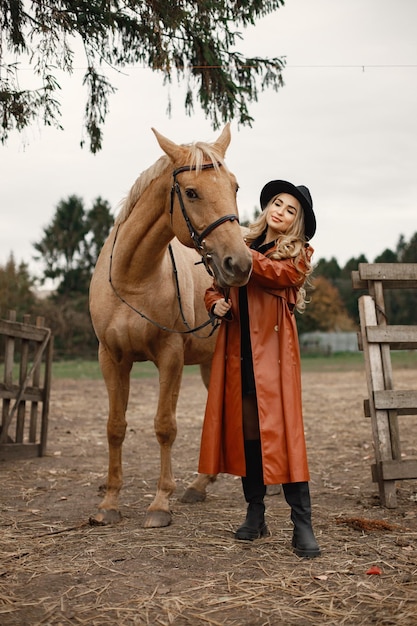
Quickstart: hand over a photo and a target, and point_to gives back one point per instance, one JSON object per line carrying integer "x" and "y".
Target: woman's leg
{"x": 253, "y": 483}
{"x": 304, "y": 542}
{"x": 250, "y": 417}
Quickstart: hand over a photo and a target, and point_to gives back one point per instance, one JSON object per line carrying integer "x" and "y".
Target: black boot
{"x": 304, "y": 542}
{"x": 254, "y": 490}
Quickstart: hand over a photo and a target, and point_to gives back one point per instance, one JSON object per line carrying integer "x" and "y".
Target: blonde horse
{"x": 146, "y": 295}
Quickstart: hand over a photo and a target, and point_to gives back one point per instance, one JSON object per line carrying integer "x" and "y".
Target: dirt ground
{"x": 56, "y": 569}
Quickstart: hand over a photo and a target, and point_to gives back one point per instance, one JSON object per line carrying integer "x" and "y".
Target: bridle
{"x": 199, "y": 245}
{"x": 197, "y": 238}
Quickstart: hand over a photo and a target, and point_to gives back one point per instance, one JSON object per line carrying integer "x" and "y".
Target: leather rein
{"x": 199, "y": 244}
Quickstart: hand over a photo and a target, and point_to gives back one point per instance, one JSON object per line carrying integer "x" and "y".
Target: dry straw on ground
{"x": 57, "y": 570}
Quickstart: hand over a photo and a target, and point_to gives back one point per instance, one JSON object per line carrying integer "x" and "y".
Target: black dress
{"x": 248, "y": 379}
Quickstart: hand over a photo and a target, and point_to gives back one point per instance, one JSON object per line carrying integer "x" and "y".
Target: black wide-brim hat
{"x": 274, "y": 187}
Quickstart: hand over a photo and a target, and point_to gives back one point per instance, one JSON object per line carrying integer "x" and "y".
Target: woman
{"x": 253, "y": 425}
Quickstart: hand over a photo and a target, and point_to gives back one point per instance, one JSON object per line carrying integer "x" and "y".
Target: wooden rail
{"x": 377, "y": 338}
{"x": 25, "y": 390}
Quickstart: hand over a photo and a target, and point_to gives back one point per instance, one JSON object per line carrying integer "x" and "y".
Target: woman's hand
{"x": 221, "y": 307}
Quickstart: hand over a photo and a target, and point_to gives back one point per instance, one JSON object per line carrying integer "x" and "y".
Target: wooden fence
{"x": 377, "y": 338}
{"x": 25, "y": 389}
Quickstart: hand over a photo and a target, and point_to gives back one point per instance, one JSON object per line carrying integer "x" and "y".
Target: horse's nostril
{"x": 235, "y": 270}
{"x": 228, "y": 264}
{"x": 236, "y": 265}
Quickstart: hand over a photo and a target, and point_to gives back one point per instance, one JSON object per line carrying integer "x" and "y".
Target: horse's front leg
{"x": 117, "y": 381}
{"x": 170, "y": 373}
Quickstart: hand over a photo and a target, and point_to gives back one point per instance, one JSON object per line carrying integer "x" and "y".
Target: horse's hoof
{"x": 105, "y": 517}
{"x": 157, "y": 519}
{"x": 191, "y": 496}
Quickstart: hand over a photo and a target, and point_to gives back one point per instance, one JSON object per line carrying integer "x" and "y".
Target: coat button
{"x": 276, "y": 327}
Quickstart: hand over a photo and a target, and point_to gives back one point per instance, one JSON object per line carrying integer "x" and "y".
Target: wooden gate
{"x": 377, "y": 338}
{"x": 25, "y": 389}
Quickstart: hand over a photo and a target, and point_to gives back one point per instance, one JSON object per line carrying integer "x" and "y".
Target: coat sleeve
{"x": 275, "y": 274}
{"x": 211, "y": 296}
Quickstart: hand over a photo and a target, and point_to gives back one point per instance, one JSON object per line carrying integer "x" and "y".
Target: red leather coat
{"x": 272, "y": 294}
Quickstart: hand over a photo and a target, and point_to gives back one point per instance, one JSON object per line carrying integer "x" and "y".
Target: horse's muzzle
{"x": 231, "y": 270}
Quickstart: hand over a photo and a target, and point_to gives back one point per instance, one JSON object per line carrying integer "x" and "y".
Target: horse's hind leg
{"x": 197, "y": 491}
{"x": 117, "y": 381}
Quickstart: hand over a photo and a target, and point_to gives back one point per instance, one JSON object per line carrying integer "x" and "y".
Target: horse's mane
{"x": 195, "y": 155}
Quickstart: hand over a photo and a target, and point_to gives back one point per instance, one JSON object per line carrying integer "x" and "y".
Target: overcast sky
{"x": 344, "y": 124}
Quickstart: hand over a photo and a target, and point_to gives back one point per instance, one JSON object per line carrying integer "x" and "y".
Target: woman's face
{"x": 280, "y": 214}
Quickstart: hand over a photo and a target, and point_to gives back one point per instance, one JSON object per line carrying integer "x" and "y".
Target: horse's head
{"x": 203, "y": 209}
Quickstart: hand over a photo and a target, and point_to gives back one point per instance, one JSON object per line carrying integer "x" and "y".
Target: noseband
{"x": 197, "y": 238}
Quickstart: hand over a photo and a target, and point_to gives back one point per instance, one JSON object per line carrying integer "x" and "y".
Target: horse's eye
{"x": 237, "y": 188}
{"x": 191, "y": 194}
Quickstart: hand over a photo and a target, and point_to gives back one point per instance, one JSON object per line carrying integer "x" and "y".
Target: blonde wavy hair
{"x": 289, "y": 245}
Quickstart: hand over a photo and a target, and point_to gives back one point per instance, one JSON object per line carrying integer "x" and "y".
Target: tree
{"x": 407, "y": 252}
{"x": 325, "y": 311}
{"x": 387, "y": 256}
{"x": 62, "y": 240}
{"x": 69, "y": 249}
{"x": 71, "y": 243}
{"x": 16, "y": 288}
{"x": 402, "y": 303}
{"x": 328, "y": 269}
{"x": 190, "y": 40}
{"x": 343, "y": 284}
{"x": 352, "y": 265}
{"x": 68, "y": 318}
{"x": 401, "y": 246}
{"x": 99, "y": 221}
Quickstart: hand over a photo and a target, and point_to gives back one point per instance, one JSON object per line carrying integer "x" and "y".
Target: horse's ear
{"x": 169, "y": 147}
{"x": 223, "y": 141}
